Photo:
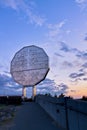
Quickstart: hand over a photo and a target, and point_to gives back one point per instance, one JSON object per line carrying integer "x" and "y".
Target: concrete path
{"x": 32, "y": 117}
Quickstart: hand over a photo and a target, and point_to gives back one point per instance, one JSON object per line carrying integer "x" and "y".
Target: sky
{"x": 57, "y": 26}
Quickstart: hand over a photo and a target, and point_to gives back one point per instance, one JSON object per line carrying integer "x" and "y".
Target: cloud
{"x": 82, "y": 3}
{"x": 79, "y": 76}
{"x": 85, "y": 79}
{"x": 74, "y": 91}
{"x": 76, "y": 75}
{"x": 81, "y": 70}
{"x": 26, "y": 8}
{"x": 67, "y": 64}
{"x": 85, "y": 38}
{"x": 63, "y": 87}
{"x": 56, "y": 26}
{"x": 11, "y": 3}
{"x": 84, "y": 65}
{"x": 68, "y": 32}
{"x": 59, "y": 55}
{"x": 75, "y": 80}
{"x": 47, "y": 81}
{"x": 7, "y": 84}
{"x": 67, "y": 49}
{"x": 55, "y": 29}
{"x": 49, "y": 86}
{"x": 64, "y": 47}
{"x": 3, "y": 80}
{"x": 1, "y": 66}
{"x": 82, "y": 54}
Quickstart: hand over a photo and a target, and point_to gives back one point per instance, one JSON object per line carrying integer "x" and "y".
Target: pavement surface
{"x": 31, "y": 116}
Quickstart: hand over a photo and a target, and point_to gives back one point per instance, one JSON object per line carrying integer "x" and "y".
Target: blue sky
{"x": 58, "y": 26}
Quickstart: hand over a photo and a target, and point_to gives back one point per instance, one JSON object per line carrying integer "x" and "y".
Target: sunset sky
{"x": 57, "y": 26}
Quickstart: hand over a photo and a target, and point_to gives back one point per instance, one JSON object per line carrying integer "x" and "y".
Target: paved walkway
{"x": 32, "y": 117}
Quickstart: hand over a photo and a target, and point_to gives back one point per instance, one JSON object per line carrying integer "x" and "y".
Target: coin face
{"x": 29, "y": 65}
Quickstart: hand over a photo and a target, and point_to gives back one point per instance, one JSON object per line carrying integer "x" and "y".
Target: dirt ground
{"x": 6, "y": 125}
